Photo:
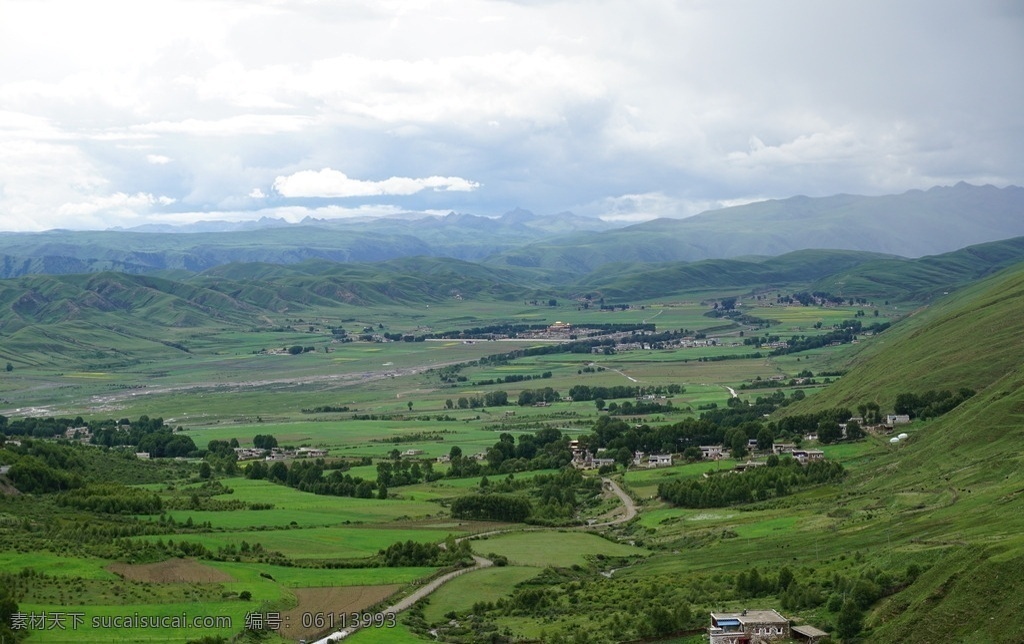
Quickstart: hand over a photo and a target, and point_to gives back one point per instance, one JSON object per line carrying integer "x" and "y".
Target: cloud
{"x": 296, "y": 214}
{"x": 633, "y": 208}
{"x": 332, "y": 183}
{"x": 118, "y": 202}
{"x": 614, "y": 109}
{"x": 241, "y": 124}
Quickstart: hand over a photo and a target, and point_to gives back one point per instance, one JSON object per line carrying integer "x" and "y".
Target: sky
{"x": 121, "y": 113}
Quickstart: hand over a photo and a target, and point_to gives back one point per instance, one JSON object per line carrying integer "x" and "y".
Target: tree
{"x": 264, "y": 441}
{"x": 829, "y": 432}
{"x": 692, "y": 453}
{"x": 295, "y": 349}
{"x": 599, "y": 403}
{"x": 10, "y": 367}
{"x": 410, "y": 405}
{"x": 448, "y": 404}
{"x": 854, "y": 431}
{"x": 204, "y": 470}
{"x": 850, "y": 620}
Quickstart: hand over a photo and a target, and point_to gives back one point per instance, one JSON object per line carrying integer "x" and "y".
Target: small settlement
{"x": 759, "y": 626}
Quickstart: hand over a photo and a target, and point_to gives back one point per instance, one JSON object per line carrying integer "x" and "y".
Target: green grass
{"x": 56, "y": 565}
{"x": 305, "y": 509}
{"x": 343, "y": 542}
{"x": 488, "y": 585}
{"x": 552, "y": 548}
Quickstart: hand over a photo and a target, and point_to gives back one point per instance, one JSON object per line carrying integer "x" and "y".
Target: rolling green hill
{"x": 924, "y": 278}
{"x": 847, "y": 273}
{"x": 971, "y": 455}
{"x": 640, "y": 281}
{"x": 970, "y": 338}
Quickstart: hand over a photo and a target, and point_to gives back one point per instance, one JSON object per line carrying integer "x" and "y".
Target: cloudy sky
{"x": 118, "y": 113}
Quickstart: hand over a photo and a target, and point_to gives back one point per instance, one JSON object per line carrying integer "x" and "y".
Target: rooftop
{"x": 750, "y": 617}
{"x": 809, "y": 631}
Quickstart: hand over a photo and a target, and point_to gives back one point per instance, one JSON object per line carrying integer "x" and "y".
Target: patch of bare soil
{"x": 322, "y": 610}
{"x": 171, "y": 571}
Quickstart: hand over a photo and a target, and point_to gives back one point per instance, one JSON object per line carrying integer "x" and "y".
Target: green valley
{"x": 271, "y": 445}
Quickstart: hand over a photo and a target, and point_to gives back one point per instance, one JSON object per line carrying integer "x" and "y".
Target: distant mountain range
{"x": 203, "y": 245}
{"x": 912, "y": 224}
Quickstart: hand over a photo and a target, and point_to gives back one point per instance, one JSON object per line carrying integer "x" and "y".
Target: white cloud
{"x": 618, "y": 109}
{"x": 332, "y": 183}
{"x": 295, "y": 214}
{"x": 655, "y": 205}
{"x": 256, "y": 193}
{"x": 241, "y": 124}
{"x": 118, "y": 202}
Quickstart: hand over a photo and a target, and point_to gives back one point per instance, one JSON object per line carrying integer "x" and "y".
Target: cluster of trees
{"x": 8, "y": 607}
{"x": 308, "y": 476}
{"x": 759, "y": 340}
{"x": 264, "y": 441}
{"x": 492, "y": 507}
{"x": 931, "y": 403}
{"x": 629, "y": 408}
{"x": 557, "y": 497}
{"x": 38, "y": 427}
{"x": 545, "y": 449}
{"x": 326, "y": 409}
{"x": 843, "y": 333}
{"x": 145, "y": 434}
{"x": 407, "y": 554}
{"x": 731, "y": 426}
{"x": 779, "y": 478}
{"x": 752, "y": 584}
{"x": 547, "y": 498}
{"x": 32, "y": 475}
{"x": 400, "y": 471}
{"x": 529, "y": 397}
{"x": 112, "y": 498}
{"x": 511, "y": 378}
{"x": 587, "y": 392}
{"x": 807, "y": 299}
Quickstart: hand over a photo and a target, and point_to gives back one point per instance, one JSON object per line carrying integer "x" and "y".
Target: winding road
{"x": 482, "y": 562}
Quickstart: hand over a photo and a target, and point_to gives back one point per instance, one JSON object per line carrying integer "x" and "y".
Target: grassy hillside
{"x": 970, "y": 338}
{"x": 640, "y": 281}
{"x": 922, "y": 279}
{"x": 951, "y": 495}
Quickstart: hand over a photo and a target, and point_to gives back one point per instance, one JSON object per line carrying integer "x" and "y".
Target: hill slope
{"x": 968, "y": 339}
{"x": 952, "y": 494}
